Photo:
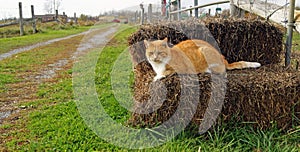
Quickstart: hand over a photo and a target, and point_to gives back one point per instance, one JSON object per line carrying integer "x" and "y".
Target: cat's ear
{"x": 146, "y": 43}
{"x": 165, "y": 42}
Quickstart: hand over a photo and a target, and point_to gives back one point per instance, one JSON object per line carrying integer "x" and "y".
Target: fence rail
{"x": 44, "y": 19}
{"x": 9, "y": 24}
{"x": 200, "y": 6}
{"x": 16, "y": 22}
{"x": 275, "y": 10}
{"x": 176, "y": 6}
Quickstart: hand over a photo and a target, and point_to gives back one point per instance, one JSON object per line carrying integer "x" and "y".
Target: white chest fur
{"x": 159, "y": 68}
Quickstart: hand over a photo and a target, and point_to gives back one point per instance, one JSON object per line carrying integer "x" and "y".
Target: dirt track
{"x": 26, "y": 90}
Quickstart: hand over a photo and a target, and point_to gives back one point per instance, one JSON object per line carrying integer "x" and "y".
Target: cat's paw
{"x": 157, "y": 77}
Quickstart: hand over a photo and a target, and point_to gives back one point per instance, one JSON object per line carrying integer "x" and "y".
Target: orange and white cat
{"x": 188, "y": 57}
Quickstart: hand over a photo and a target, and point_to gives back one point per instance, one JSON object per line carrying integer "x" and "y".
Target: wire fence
{"x": 274, "y": 10}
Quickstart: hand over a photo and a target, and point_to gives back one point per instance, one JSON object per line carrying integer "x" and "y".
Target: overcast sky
{"x": 9, "y": 8}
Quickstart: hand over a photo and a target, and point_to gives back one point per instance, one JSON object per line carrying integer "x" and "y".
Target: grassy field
{"x": 52, "y": 121}
{"x": 46, "y": 32}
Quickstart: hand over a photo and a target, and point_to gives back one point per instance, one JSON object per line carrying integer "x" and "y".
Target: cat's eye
{"x": 162, "y": 53}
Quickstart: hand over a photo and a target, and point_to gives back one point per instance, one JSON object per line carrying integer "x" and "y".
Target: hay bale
{"x": 248, "y": 40}
{"x": 261, "y": 96}
{"x": 264, "y": 97}
{"x": 165, "y": 95}
{"x": 236, "y": 39}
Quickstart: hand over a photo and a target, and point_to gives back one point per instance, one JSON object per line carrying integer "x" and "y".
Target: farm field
{"x": 10, "y": 38}
{"x": 46, "y": 116}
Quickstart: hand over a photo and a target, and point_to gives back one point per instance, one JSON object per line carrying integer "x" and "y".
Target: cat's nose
{"x": 156, "y": 60}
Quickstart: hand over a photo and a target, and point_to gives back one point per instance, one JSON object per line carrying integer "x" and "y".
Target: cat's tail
{"x": 241, "y": 65}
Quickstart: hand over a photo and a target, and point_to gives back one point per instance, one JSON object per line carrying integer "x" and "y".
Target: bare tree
{"x": 48, "y": 6}
{"x": 57, "y": 5}
{"x": 51, "y": 5}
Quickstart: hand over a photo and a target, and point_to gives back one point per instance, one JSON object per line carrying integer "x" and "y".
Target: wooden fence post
{"x": 21, "y": 19}
{"x": 196, "y": 9}
{"x": 65, "y": 18}
{"x": 169, "y": 10}
{"x": 233, "y": 9}
{"x": 136, "y": 16}
{"x": 56, "y": 15}
{"x": 179, "y": 8}
{"x": 75, "y": 18}
{"x": 33, "y": 20}
{"x": 142, "y": 13}
{"x": 150, "y": 13}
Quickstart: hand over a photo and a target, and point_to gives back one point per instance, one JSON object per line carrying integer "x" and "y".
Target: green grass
{"x": 11, "y": 67}
{"x": 296, "y": 42}
{"x": 56, "y": 125}
{"x": 5, "y": 79}
{"x": 104, "y": 68}
{"x": 22, "y": 62}
{"x": 46, "y": 33}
